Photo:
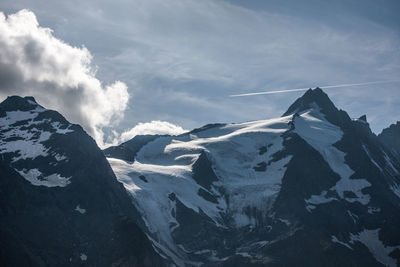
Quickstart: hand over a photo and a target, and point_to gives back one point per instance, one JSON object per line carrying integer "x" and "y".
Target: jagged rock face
{"x": 312, "y": 188}
{"x": 60, "y": 203}
{"x": 128, "y": 150}
{"x": 390, "y": 138}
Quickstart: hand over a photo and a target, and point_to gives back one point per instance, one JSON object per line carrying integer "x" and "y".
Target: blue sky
{"x": 180, "y": 60}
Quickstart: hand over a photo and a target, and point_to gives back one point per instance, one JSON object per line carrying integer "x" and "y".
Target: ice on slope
{"x": 19, "y": 134}
{"x": 312, "y": 126}
{"x": 16, "y": 116}
{"x": 370, "y": 238}
{"x": 151, "y": 197}
{"x": 166, "y": 163}
{"x": 35, "y": 177}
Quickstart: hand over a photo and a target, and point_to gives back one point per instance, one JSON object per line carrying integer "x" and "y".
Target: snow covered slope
{"x": 239, "y": 154}
{"x": 23, "y": 136}
{"x": 313, "y": 181}
{"x": 60, "y": 203}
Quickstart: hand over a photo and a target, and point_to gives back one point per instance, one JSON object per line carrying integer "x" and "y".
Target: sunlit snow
{"x": 166, "y": 163}
{"x": 20, "y": 134}
{"x": 312, "y": 126}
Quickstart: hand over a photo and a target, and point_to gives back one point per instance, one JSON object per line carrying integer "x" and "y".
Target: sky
{"x": 127, "y": 67}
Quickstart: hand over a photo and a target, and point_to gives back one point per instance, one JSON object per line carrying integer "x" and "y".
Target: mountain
{"x": 311, "y": 188}
{"x": 60, "y": 202}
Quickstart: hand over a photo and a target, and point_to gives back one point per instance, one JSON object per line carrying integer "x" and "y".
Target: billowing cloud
{"x": 62, "y": 77}
{"x": 181, "y": 58}
{"x": 153, "y": 127}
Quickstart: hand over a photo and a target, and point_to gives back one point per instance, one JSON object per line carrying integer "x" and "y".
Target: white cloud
{"x": 58, "y": 75}
{"x": 153, "y": 127}
{"x": 206, "y": 50}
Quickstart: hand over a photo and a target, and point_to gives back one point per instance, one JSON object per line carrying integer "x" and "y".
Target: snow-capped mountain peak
{"x": 318, "y": 99}
{"x": 14, "y": 103}
{"x": 26, "y": 133}
{"x": 60, "y": 203}
{"x": 251, "y": 192}
{"x": 310, "y": 99}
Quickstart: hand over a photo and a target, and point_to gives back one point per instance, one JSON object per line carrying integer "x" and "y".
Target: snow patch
{"x": 35, "y": 177}
{"x": 56, "y": 126}
{"x": 16, "y": 116}
{"x": 80, "y": 210}
{"x": 320, "y": 199}
{"x": 312, "y": 126}
{"x": 59, "y": 157}
{"x": 32, "y": 102}
{"x": 372, "y": 210}
{"x": 20, "y": 134}
{"x": 310, "y": 208}
{"x": 28, "y": 143}
{"x": 370, "y": 239}
{"x": 83, "y": 257}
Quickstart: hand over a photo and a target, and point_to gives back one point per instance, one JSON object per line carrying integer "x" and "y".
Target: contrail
{"x": 305, "y": 89}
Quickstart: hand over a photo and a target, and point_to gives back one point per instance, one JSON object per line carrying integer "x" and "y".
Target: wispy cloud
{"x": 166, "y": 51}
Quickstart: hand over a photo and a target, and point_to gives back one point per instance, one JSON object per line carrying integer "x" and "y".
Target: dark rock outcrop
{"x": 60, "y": 203}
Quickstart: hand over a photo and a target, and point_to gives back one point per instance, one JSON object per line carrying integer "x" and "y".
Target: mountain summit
{"x": 13, "y": 103}
{"x": 316, "y": 98}
{"x": 311, "y": 98}
{"x": 311, "y": 188}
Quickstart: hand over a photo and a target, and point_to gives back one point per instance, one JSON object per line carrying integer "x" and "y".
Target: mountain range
{"x": 313, "y": 187}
